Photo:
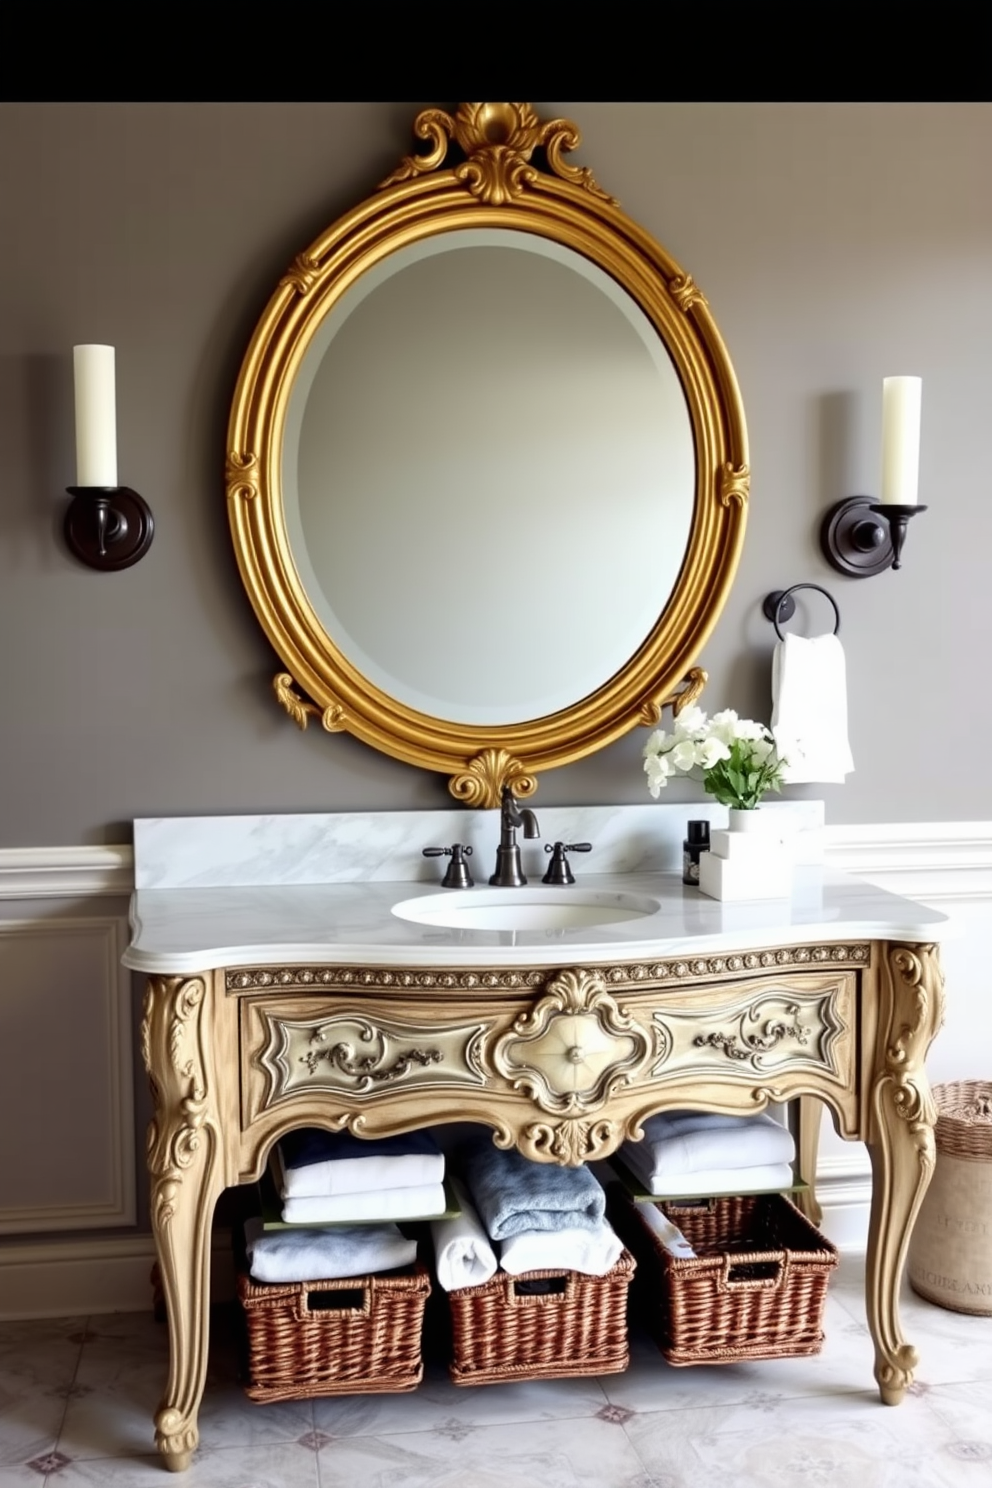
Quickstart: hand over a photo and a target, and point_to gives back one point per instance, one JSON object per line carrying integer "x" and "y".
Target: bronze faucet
{"x": 509, "y": 874}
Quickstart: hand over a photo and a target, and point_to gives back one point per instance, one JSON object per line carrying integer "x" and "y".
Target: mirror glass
{"x": 488, "y": 474}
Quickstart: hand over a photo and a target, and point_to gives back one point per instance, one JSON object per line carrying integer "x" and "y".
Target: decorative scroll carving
{"x": 744, "y": 1046}
{"x": 366, "y": 1069}
{"x": 735, "y": 484}
{"x": 765, "y": 1033}
{"x": 685, "y": 292}
{"x": 901, "y": 1144}
{"x": 179, "y": 1090}
{"x": 575, "y": 1048}
{"x": 498, "y": 140}
{"x": 304, "y": 1054}
{"x": 300, "y": 708}
{"x": 568, "y": 1143}
{"x": 241, "y": 476}
{"x": 482, "y": 782}
{"x": 651, "y": 710}
{"x": 694, "y": 969}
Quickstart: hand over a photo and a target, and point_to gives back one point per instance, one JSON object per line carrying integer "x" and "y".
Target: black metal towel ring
{"x": 779, "y": 605}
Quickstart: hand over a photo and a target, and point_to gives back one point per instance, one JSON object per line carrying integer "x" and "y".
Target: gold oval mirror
{"x": 487, "y": 463}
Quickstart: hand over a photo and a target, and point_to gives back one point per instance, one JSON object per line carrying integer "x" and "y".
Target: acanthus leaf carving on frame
{"x": 481, "y": 783}
{"x": 651, "y": 709}
{"x": 498, "y": 141}
{"x": 333, "y": 718}
{"x": 575, "y": 1048}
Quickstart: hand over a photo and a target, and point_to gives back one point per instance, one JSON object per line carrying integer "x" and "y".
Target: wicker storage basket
{"x": 357, "y": 1336}
{"x": 950, "y": 1250}
{"x": 755, "y": 1289}
{"x": 541, "y": 1325}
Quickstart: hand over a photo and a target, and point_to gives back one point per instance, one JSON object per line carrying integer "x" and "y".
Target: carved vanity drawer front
{"x": 764, "y": 1028}
{"x": 294, "y": 1047}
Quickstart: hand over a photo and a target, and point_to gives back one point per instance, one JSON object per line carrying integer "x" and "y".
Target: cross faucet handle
{"x": 457, "y": 875}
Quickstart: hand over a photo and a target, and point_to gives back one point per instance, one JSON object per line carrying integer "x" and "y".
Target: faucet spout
{"x": 508, "y": 873}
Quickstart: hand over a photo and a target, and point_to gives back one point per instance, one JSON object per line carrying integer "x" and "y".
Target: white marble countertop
{"x": 177, "y": 930}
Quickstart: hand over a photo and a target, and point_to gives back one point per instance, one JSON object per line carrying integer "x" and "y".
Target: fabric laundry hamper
{"x": 950, "y": 1250}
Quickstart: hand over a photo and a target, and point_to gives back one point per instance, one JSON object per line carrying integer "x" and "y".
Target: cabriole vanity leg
{"x": 186, "y": 1179}
{"x": 901, "y": 1146}
{"x": 808, "y": 1115}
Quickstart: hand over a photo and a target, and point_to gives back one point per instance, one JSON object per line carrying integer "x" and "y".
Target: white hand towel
{"x": 462, "y": 1252}
{"x": 593, "y": 1252}
{"x": 669, "y": 1150}
{"x": 771, "y": 1176}
{"x": 420, "y": 1201}
{"x": 325, "y": 1255}
{"x": 809, "y": 708}
{"x": 669, "y": 1234}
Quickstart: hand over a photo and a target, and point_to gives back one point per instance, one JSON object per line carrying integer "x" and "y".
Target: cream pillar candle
{"x": 96, "y": 416}
{"x": 901, "y": 397}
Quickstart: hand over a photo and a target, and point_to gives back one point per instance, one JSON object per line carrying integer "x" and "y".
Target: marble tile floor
{"x": 77, "y": 1397}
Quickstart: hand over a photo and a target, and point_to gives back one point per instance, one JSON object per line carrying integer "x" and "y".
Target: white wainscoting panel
{"x": 66, "y": 1098}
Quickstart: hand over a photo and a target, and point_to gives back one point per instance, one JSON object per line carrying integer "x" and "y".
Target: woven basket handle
{"x": 775, "y": 1260}
{"x": 337, "y": 1297}
{"x": 518, "y": 1298}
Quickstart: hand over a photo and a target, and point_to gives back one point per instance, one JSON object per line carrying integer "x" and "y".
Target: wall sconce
{"x": 862, "y": 537}
{"x": 107, "y": 526}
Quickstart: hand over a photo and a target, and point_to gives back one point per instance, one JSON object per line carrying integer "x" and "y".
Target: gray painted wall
{"x": 836, "y": 244}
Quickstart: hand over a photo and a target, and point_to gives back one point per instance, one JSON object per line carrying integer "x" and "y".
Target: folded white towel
{"x": 809, "y": 708}
{"x": 700, "y": 1185}
{"x": 593, "y": 1252}
{"x": 669, "y": 1234}
{"x": 325, "y": 1255}
{"x": 317, "y": 1163}
{"x": 417, "y": 1202}
{"x": 672, "y": 1147}
{"x": 462, "y": 1252}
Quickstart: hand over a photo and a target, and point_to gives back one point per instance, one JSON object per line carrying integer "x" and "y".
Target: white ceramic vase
{"x": 747, "y": 860}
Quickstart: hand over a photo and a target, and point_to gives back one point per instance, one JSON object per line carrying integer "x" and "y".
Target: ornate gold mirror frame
{"x": 507, "y": 171}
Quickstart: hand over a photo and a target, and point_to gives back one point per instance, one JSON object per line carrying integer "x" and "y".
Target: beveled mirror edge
{"x": 496, "y": 184}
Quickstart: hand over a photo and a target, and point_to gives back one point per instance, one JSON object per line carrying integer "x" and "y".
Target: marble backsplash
{"x": 387, "y": 846}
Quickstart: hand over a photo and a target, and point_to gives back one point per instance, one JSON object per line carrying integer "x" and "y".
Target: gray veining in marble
{"x": 387, "y": 846}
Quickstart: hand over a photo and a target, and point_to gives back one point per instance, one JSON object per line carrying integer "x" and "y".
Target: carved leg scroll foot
{"x": 184, "y": 1163}
{"x": 901, "y": 1147}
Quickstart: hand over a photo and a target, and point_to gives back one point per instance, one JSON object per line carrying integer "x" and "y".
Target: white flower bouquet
{"x": 735, "y": 758}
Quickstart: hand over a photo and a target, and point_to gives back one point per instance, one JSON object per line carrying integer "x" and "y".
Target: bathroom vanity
{"x": 277, "y": 1004}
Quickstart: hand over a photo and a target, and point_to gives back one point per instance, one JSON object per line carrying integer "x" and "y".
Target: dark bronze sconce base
{"x": 108, "y": 527}
{"x": 855, "y": 541}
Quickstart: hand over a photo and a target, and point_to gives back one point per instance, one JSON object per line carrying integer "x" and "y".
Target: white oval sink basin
{"x": 529, "y": 908}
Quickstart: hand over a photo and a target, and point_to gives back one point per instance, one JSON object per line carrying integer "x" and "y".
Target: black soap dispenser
{"x": 697, "y": 842}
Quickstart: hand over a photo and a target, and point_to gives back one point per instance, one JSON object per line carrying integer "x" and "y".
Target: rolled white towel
{"x": 669, "y": 1234}
{"x": 420, "y": 1201}
{"x": 593, "y": 1252}
{"x": 325, "y": 1255}
{"x": 462, "y": 1252}
{"x": 772, "y": 1176}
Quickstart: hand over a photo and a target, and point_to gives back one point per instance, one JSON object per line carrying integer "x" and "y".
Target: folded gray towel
{"x": 513, "y": 1194}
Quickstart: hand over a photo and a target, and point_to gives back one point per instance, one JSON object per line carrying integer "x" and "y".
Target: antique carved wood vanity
{"x": 484, "y": 400}
{"x": 561, "y": 1044}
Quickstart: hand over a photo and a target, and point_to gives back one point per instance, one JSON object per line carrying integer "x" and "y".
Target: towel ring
{"x": 779, "y": 605}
